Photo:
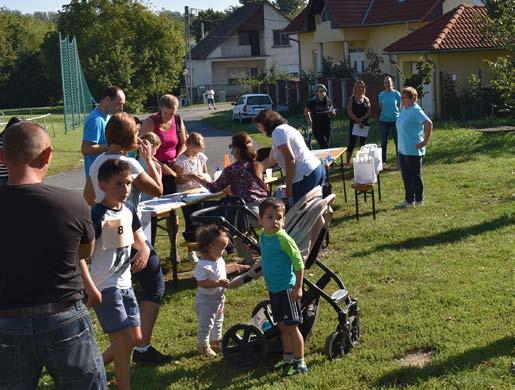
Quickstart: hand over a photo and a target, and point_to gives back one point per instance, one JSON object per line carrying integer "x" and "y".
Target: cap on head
{"x": 321, "y": 86}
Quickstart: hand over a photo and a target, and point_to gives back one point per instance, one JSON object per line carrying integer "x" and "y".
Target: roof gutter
{"x": 441, "y": 51}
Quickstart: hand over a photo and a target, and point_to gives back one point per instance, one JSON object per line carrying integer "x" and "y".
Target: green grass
{"x": 66, "y": 147}
{"x": 438, "y": 277}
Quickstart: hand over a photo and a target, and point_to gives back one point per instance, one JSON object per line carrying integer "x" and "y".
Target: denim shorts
{"x": 63, "y": 342}
{"x": 118, "y": 310}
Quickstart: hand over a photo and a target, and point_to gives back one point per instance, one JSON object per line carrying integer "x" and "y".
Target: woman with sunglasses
{"x": 318, "y": 112}
{"x": 243, "y": 177}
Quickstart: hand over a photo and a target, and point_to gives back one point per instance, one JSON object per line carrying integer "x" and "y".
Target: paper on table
{"x": 360, "y": 131}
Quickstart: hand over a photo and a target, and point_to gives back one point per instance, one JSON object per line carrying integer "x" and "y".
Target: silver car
{"x": 248, "y": 106}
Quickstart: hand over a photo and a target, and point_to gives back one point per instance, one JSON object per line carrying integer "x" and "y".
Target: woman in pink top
{"x": 170, "y": 128}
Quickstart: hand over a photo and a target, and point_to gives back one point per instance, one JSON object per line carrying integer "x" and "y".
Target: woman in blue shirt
{"x": 389, "y": 102}
{"x": 414, "y": 129}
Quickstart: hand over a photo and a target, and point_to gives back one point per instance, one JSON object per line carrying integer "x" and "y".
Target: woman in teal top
{"x": 389, "y": 102}
{"x": 414, "y": 129}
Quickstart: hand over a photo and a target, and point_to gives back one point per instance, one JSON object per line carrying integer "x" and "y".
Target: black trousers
{"x": 323, "y": 132}
{"x": 411, "y": 170}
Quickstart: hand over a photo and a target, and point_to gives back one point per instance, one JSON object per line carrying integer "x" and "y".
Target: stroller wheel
{"x": 244, "y": 345}
{"x": 262, "y": 304}
{"x": 336, "y": 346}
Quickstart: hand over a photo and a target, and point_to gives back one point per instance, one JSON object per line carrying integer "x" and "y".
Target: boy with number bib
{"x": 117, "y": 228}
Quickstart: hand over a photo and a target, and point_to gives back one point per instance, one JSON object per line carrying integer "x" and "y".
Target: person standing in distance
{"x": 318, "y": 112}
{"x": 210, "y": 96}
{"x": 390, "y": 103}
{"x": 93, "y": 138}
{"x": 45, "y": 230}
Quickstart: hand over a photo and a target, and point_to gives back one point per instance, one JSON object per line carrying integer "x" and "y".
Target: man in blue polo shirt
{"x": 93, "y": 139}
{"x": 389, "y": 102}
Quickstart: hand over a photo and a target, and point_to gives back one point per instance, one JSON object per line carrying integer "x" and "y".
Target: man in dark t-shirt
{"x": 318, "y": 112}
{"x": 44, "y": 232}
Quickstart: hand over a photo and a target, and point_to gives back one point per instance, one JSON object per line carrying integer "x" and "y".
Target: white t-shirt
{"x": 114, "y": 235}
{"x": 305, "y": 161}
{"x": 210, "y": 94}
{"x": 210, "y": 270}
{"x": 136, "y": 170}
{"x": 194, "y": 165}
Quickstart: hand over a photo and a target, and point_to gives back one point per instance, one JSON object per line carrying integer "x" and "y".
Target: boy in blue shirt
{"x": 283, "y": 270}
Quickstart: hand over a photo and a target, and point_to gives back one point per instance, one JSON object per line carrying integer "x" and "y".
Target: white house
{"x": 247, "y": 43}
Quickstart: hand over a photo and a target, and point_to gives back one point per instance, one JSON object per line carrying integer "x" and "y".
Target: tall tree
{"x": 288, "y": 7}
{"x": 499, "y": 27}
{"x": 122, "y": 42}
{"x": 210, "y": 18}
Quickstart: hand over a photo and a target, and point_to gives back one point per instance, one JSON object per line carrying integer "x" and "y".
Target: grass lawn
{"x": 438, "y": 278}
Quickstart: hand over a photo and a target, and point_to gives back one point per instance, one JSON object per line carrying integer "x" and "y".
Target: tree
{"x": 210, "y": 18}
{"x": 421, "y": 77}
{"x": 122, "y": 42}
{"x": 500, "y": 29}
{"x": 288, "y": 7}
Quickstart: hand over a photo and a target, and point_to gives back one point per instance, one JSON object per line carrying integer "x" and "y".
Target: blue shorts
{"x": 284, "y": 308}
{"x": 118, "y": 310}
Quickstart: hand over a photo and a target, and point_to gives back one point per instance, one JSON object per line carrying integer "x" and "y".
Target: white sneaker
{"x": 192, "y": 257}
{"x": 404, "y": 205}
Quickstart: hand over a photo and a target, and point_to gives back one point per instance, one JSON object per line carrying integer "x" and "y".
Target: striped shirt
{"x": 4, "y": 173}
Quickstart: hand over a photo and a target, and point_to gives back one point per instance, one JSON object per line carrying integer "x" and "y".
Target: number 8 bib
{"x": 115, "y": 234}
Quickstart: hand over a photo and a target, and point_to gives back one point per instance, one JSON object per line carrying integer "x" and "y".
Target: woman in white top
{"x": 303, "y": 169}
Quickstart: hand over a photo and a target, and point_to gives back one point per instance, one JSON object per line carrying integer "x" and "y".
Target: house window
{"x": 253, "y": 72}
{"x": 281, "y": 39}
{"x": 244, "y": 38}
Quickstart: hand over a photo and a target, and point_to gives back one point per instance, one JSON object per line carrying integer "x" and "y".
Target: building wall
{"x": 201, "y": 72}
{"x": 306, "y": 47}
{"x": 220, "y": 68}
{"x": 285, "y": 57}
{"x": 231, "y": 47}
{"x": 334, "y": 50}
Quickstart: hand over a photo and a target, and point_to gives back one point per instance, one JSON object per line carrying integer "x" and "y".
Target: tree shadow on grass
{"x": 492, "y": 144}
{"x": 449, "y": 236}
{"x": 407, "y": 376}
{"x": 217, "y": 374}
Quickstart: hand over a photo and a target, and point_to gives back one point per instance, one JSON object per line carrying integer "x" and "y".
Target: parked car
{"x": 248, "y": 106}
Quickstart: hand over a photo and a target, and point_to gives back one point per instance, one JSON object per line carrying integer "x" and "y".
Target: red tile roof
{"x": 297, "y": 22}
{"x": 459, "y": 29}
{"x": 395, "y": 11}
{"x": 354, "y": 13}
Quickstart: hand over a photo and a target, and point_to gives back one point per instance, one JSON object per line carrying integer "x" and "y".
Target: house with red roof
{"x": 353, "y": 31}
{"x": 456, "y": 46}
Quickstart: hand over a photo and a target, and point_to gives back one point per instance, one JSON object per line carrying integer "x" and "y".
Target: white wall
{"x": 231, "y": 47}
{"x": 201, "y": 72}
{"x": 286, "y": 57}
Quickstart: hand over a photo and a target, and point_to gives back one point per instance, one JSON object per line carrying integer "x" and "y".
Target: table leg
{"x": 153, "y": 230}
{"x": 343, "y": 179}
{"x": 172, "y": 237}
{"x": 379, "y": 185}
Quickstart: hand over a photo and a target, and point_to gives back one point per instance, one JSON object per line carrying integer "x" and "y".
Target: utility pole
{"x": 187, "y": 71}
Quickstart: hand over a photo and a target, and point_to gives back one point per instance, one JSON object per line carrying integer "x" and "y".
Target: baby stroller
{"x": 247, "y": 344}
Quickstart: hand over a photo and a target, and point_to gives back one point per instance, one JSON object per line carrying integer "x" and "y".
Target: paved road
{"x": 216, "y": 141}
